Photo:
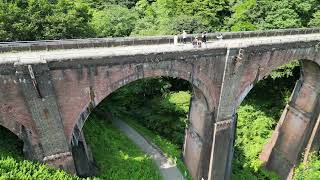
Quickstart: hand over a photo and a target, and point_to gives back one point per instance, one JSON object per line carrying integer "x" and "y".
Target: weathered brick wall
{"x": 80, "y": 86}
{"x": 260, "y": 61}
{"x": 76, "y": 84}
{"x": 14, "y": 112}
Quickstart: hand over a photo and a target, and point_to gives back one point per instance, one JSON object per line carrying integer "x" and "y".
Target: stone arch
{"x": 261, "y": 61}
{"x": 12, "y": 132}
{"x": 115, "y": 86}
{"x": 31, "y": 149}
{"x": 13, "y": 126}
{"x": 98, "y": 82}
{"x": 198, "y": 113}
{"x": 99, "y": 87}
{"x": 292, "y": 136}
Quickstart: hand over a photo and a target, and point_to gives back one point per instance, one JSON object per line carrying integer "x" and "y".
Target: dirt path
{"x": 168, "y": 170}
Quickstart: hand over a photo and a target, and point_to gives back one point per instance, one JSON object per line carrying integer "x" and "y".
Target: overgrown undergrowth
{"x": 13, "y": 166}
{"x": 156, "y": 118}
{"x": 116, "y": 155}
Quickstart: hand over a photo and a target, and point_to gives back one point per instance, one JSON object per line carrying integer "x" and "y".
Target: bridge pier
{"x": 198, "y": 138}
{"x": 51, "y": 147}
{"x": 226, "y": 118}
{"x": 222, "y": 149}
{"x": 293, "y": 134}
{"x": 82, "y": 156}
{"x": 31, "y": 146}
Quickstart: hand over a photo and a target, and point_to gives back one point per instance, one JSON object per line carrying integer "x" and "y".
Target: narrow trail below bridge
{"x": 168, "y": 170}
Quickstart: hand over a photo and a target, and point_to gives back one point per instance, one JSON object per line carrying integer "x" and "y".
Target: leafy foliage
{"x": 33, "y": 20}
{"x": 150, "y": 101}
{"x": 286, "y": 71}
{"x": 59, "y": 19}
{"x": 315, "y": 21}
{"x": 12, "y": 165}
{"x": 113, "y": 21}
{"x": 310, "y": 170}
{"x": 160, "y": 114}
{"x": 271, "y": 14}
{"x": 116, "y": 155}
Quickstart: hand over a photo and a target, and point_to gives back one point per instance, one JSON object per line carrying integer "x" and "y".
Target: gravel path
{"x": 168, "y": 170}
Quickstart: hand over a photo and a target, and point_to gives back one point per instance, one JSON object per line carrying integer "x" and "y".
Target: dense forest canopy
{"x": 60, "y": 19}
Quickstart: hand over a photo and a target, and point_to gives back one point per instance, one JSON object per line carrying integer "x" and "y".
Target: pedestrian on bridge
{"x": 184, "y": 37}
{"x": 204, "y": 38}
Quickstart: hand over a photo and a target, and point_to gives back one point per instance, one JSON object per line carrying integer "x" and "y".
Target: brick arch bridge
{"x": 109, "y": 79}
{"x": 48, "y": 88}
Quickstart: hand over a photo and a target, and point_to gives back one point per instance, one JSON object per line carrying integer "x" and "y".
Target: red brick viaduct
{"x": 49, "y": 88}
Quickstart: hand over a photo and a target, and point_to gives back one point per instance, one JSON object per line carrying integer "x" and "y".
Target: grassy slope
{"x": 255, "y": 125}
{"x": 12, "y": 165}
{"x": 116, "y": 155}
{"x": 257, "y": 118}
{"x": 170, "y": 149}
{"x": 258, "y": 115}
{"x": 309, "y": 171}
{"x": 161, "y": 120}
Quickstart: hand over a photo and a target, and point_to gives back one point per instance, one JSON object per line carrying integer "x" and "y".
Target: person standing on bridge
{"x": 184, "y": 37}
{"x": 204, "y": 38}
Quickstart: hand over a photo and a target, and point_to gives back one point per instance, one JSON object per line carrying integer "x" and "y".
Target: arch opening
{"x": 268, "y": 136}
{"x": 161, "y": 107}
{"x": 10, "y": 144}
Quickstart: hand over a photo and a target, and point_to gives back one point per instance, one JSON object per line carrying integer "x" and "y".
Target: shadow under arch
{"x": 30, "y": 145}
{"x": 11, "y": 143}
{"x": 198, "y": 136}
{"x": 293, "y": 134}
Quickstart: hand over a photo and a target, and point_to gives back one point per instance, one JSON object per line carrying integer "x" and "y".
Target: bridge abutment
{"x": 52, "y": 147}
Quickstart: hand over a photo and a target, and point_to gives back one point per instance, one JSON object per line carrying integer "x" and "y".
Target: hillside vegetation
{"x": 117, "y": 157}
{"x": 60, "y": 19}
{"x": 13, "y": 166}
{"x": 158, "y": 109}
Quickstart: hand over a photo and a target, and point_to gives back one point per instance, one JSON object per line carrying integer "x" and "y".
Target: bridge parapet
{"x": 47, "y": 45}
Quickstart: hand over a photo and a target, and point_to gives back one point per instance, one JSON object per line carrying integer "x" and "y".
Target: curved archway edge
{"x": 296, "y": 132}
{"x": 200, "y": 125}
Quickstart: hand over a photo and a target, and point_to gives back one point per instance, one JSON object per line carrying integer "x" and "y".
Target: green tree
{"x": 315, "y": 21}
{"x": 43, "y": 19}
{"x": 114, "y": 21}
{"x": 280, "y": 15}
{"x": 242, "y": 18}
{"x": 310, "y": 170}
{"x": 68, "y": 20}
{"x": 14, "y": 23}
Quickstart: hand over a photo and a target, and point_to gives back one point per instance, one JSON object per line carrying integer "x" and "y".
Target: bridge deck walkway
{"x": 58, "y": 55}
